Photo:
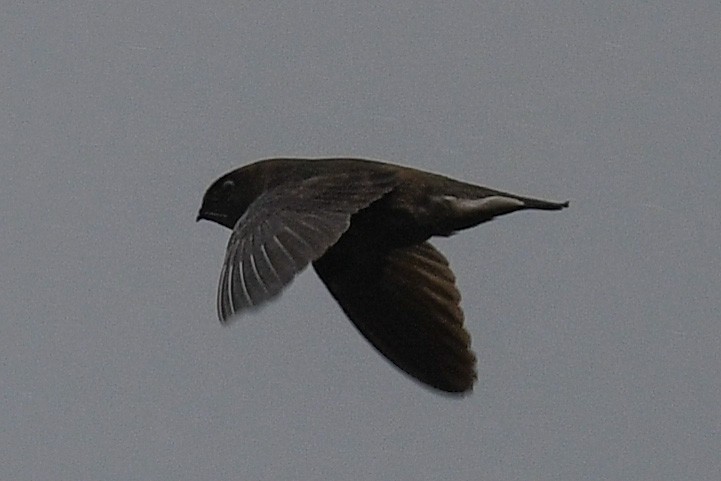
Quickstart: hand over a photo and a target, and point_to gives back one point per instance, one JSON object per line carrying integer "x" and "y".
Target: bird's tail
{"x": 468, "y": 212}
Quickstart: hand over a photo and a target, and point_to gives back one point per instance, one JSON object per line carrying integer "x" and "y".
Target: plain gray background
{"x": 597, "y": 329}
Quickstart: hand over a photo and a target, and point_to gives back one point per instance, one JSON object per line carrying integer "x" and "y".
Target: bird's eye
{"x": 228, "y": 184}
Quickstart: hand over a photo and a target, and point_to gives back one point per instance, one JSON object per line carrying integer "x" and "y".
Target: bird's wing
{"x": 406, "y": 304}
{"x": 286, "y": 228}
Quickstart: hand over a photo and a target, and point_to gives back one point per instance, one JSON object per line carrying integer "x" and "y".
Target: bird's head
{"x": 227, "y": 199}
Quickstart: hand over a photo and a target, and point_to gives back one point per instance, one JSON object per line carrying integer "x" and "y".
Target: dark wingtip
{"x": 455, "y": 392}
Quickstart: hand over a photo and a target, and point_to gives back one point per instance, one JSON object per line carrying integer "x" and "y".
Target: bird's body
{"x": 364, "y": 225}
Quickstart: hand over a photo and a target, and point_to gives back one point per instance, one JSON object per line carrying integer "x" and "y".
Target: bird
{"x": 365, "y": 227}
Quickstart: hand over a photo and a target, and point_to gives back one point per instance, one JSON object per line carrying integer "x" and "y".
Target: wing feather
{"x": 405, "y": 302}
{"x": 288, "y": 227}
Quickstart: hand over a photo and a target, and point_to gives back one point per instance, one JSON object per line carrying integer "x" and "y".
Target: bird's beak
{"x": 211, "y": 216}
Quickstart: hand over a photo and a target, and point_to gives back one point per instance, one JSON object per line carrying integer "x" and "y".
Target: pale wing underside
{"x": 288, "y": 227}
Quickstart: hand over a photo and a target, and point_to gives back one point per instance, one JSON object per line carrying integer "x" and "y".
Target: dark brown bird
{"x": 364, "y": 225}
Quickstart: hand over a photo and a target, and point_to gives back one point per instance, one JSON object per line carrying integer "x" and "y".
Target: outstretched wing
{"x": 406, "y": 304}
{"x": 286, "y": 228}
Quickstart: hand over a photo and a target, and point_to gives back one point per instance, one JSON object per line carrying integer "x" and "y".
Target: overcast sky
{"x": 597, "y": 329}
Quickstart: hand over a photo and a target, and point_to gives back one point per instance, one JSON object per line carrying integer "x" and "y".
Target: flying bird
{"x": 365, "y": 226}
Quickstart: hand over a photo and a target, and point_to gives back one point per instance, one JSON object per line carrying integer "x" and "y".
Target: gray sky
{"x": 597, "y": 329}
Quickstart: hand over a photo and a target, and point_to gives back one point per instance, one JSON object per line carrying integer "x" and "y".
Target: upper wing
{"x": 406, "y": 304}
{"x": 286, "y": 228}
